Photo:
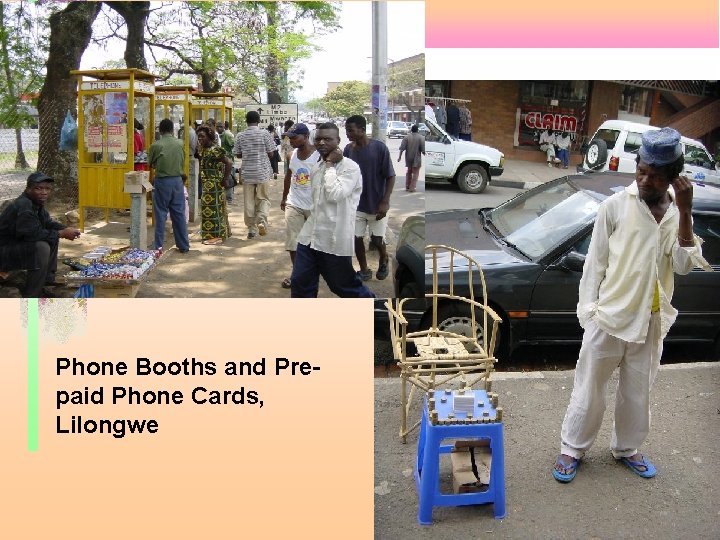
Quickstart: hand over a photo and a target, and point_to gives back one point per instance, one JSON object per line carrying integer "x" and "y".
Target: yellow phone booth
{"x": 173, "y": 103}
{"x": 212, "y": 105}
{"x": 115, "y": 130}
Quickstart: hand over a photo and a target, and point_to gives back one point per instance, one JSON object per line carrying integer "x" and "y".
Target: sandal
{"x": 570, "y": 467}
{"x": 635, "y": 466}
{"x": 213, "y": 241}
{"x": 285, "y": 283}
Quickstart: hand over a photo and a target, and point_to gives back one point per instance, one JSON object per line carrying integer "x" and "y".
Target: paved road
{"x": 445, "y": 197}
{"x": 606, "y": 500}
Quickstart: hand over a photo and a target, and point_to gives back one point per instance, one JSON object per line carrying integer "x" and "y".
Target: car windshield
{"x": 433, "y": 134}
{"x": 537, "y": 221}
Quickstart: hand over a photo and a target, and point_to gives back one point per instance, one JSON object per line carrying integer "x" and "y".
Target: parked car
{"x": 532, "y": 249}
{"x": 615, "y": 145}
{"x": 466, "y": 164}
{"x": 397, "y": 129}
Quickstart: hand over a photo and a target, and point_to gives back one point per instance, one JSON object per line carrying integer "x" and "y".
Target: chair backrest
{"x": 458, "y": 262}
{"x": 447, "y": 352}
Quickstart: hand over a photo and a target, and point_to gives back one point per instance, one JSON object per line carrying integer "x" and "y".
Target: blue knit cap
{"x": 660, "y": 146}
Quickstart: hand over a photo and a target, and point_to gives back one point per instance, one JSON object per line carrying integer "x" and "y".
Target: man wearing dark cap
{"x": 642, "y": 234}
{"x": 297, "y": 192}
{"x": 29, "y": 236}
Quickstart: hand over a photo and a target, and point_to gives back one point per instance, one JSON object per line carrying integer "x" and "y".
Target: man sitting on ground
{"x": 29, "y": 236}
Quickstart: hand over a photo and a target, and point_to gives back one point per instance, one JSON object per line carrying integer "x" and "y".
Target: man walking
{"x": 378, "y": 179}
{"x": 29, "y": 237}
{"x": 414, "y": 147}
{"x": 325, "y": 243}
{"x": 255, "y": 147}
{"x": 297, "y": 192}
{"x": 167, "y": 157}
{"x": 641, "y": 236}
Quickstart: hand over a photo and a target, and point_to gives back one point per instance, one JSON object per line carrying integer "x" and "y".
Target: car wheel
{"x": 472, "y": 179}
{"x": 596, "y": 154}
{"x": 411, "y": 290}
{"x": 456, "y": 318}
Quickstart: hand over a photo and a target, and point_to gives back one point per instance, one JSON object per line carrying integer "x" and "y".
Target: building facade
{"x": 510, "y": 115}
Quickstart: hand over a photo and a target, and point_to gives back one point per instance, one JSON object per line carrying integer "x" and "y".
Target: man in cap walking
{"x": 642, "y": 234}
{"x": 29, "y": 236}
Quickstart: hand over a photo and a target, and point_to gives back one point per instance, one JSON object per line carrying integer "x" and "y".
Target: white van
{"x": 615, "y": 145}
{"x": 467, "y": 164}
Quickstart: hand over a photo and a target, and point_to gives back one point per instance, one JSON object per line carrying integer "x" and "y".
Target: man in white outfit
{"x": 547, "y": 145}
{"x": 642, "y": 234}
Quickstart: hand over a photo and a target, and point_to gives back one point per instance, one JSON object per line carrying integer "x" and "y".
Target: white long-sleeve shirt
{"x": 628, "y": 255}
{"x": 335, "y": 192}
{"x": 547, "y": 138}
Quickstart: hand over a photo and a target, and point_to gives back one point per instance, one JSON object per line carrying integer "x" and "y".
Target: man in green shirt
{"x": 167, "y": 157}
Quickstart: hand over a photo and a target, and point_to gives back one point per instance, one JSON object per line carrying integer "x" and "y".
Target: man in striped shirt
{"x": 255, "y": 146}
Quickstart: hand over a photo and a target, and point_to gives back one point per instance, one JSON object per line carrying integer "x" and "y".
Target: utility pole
{"x": 379, "y": 101}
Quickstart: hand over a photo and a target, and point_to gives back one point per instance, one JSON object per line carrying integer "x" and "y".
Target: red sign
{"x": 541, "y": 120}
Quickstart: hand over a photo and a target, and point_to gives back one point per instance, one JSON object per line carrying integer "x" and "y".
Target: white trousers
{"x": 600, "y": 354}
{"x": 549, "y": 150}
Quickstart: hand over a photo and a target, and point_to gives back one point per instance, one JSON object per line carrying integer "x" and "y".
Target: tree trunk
{"x": 70, "y": 32}
{"x": 135, "y": 15}
{"x": 20, "y": 161}
{"x": 272, "y": 71}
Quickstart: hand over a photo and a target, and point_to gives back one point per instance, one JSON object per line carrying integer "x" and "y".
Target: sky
{"x": 345, "y": 54}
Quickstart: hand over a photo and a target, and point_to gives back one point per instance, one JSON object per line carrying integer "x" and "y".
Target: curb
{"x": 516, "y": 184}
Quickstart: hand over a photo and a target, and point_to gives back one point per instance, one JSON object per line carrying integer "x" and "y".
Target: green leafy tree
{"x": 349, "y": 98}
{"x": 316, "y": 105}
{"x": 285, "y": 45}
{"x": 217, "y": 43}
{"x": 23, "y": 48}
{"x": 404, "y": 80}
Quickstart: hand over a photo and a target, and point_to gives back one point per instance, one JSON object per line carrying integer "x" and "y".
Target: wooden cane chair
{"x": 443, "y": 356}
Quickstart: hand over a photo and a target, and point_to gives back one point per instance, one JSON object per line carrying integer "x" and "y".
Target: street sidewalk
{"x": 606, "y": 500}
{"x": 239, "y": 268}
{"x": 528, "y": 174}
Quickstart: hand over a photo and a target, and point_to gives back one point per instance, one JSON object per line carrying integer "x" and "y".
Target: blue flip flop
{"x": 649, "y": 471}
{"x": 566, "y": 477}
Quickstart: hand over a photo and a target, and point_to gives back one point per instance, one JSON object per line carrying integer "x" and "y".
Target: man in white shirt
{"x": 326, "y": 242}
{"x": 641, "y": 235}
{"x": 297, "y": 199}
{"x": 547, "y": 145}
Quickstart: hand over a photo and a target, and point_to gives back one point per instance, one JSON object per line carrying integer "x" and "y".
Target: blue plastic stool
{"x": 427, "y": 466}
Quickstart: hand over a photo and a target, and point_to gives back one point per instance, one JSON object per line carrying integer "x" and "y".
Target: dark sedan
{"x": 532, "y": 249}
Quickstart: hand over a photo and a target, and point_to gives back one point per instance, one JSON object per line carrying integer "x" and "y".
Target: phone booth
{"x": 173, "y": 103}
{"x": 206, "y": 105}
{"x": 115, "y": 129}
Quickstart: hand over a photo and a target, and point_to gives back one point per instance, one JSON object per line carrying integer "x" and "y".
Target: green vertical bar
{"x": 32, "y": 313}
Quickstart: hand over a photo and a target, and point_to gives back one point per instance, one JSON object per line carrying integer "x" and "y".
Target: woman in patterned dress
{"x": 215, "y": 168}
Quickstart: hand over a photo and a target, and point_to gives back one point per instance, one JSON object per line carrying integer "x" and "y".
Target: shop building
{"x": 510, "y": 115}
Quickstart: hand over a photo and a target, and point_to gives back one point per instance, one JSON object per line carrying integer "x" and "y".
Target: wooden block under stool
{"x": 464, "y": 480}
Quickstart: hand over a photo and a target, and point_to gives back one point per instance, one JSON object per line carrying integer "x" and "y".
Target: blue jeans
{"x": 169, "y": 196}
{"x": 564, "y": 156}
{"x": 337, "y": 271}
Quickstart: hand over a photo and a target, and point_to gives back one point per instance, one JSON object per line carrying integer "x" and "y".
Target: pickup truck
{"x": 467, "y": 164}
